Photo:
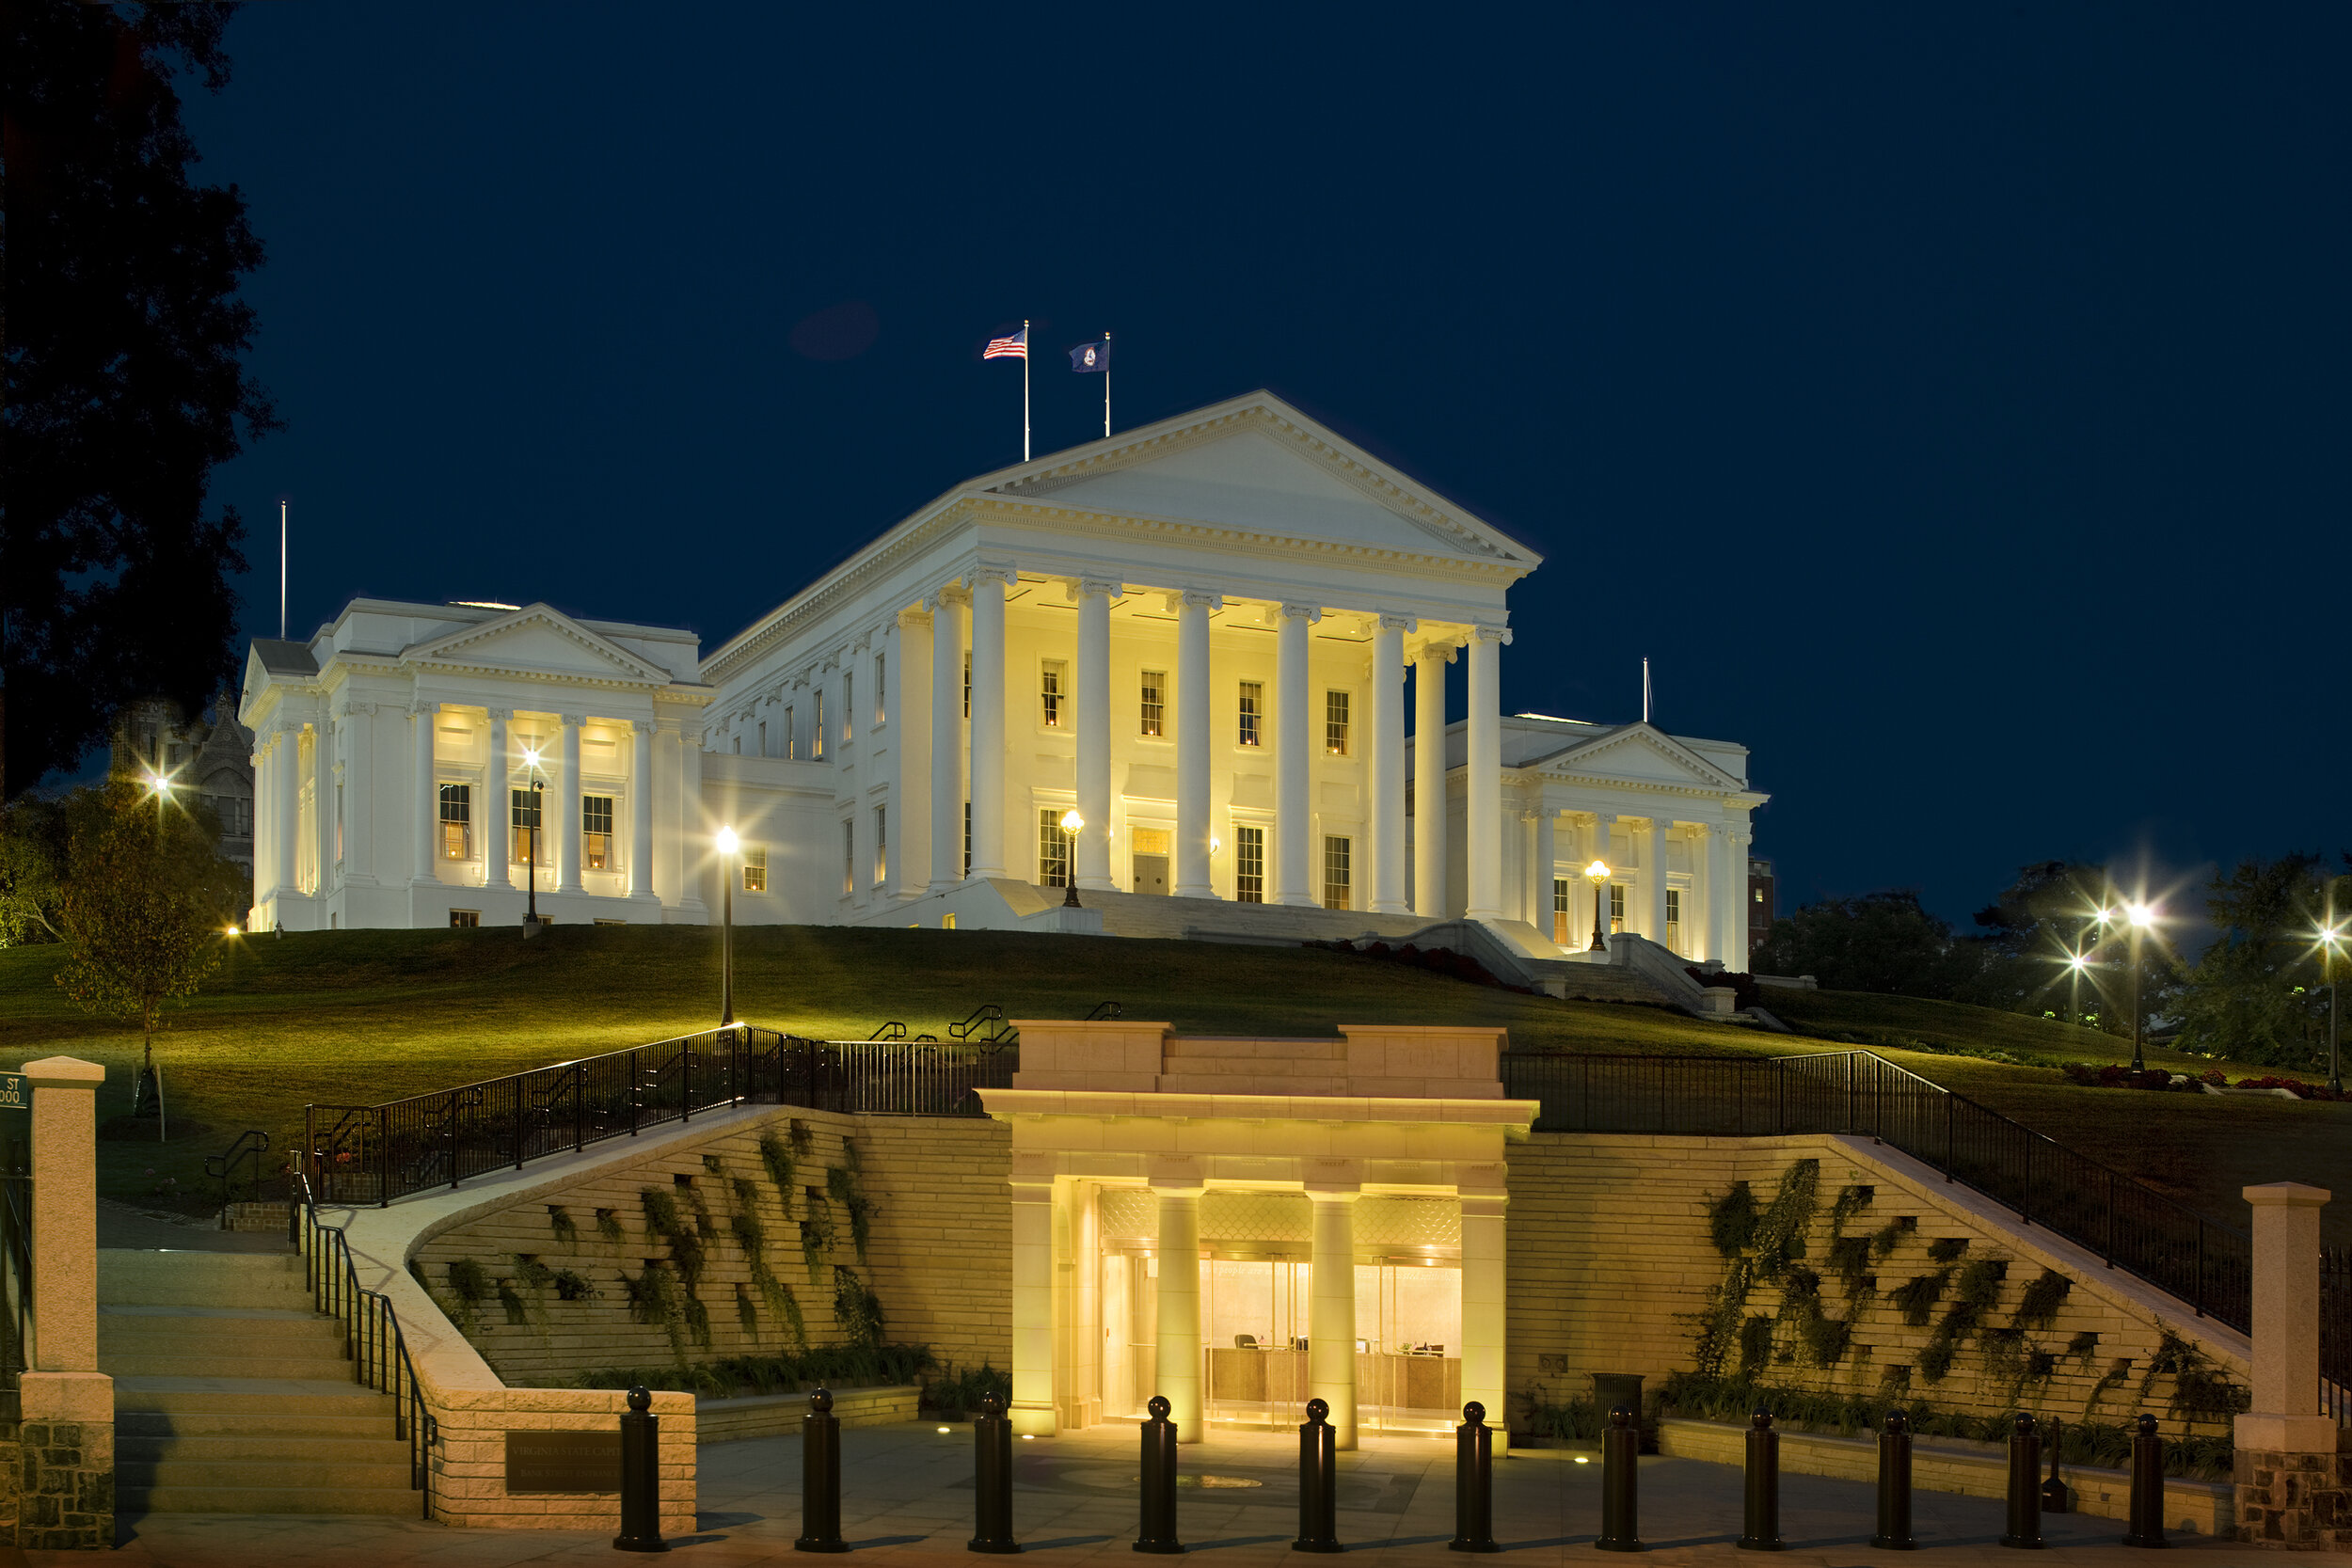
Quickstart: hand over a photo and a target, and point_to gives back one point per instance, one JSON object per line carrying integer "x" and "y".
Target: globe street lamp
{"x": 1072, "y": 825}
{"x": 2331, "y": 937}
{"x": 727, "y": 842}
{"x": 531, "y": 843}
{"x": 2141, "y": 917}
{"x": 2076, "y": 964}
{"x": 1599, "y": 872}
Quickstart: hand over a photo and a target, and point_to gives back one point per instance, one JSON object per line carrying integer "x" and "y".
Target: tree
{"x": 1880, "y": 942}
{"x": 125, "y": 381}
{"x": 2026, "y": 934}
{"x": 33, "y": 838}
{"x": 2254, "y": 994}
{"x": 145, "y": 901}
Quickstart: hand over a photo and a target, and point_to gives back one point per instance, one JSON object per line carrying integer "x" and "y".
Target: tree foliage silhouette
{"x": 126, "y": 384}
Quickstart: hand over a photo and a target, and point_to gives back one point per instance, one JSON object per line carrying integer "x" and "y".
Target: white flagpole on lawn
{"x": 1024, "y": 392}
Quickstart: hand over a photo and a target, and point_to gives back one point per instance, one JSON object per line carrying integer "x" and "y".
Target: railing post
{"x": 2109, "y": 1249}
{"x": 686, "y": 1081}
{"x": 2200, "y": 1302}
{"x": 636, "y": 1093}
{"x": 521, "y": 1094}
{"x": 2025, "y": 1190}
{"x": 579, "y": 1107}
{"x": 383, "y": 1156}
{"x": 1951, "y": 1109}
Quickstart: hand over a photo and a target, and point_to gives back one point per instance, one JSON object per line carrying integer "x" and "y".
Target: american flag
{"x": 1013, "y": 347}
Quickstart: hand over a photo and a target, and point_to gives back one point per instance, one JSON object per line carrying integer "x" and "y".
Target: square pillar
{"x": 1429, "y": 827}
{"x": 1193, "y": 678}
{"x": 68, "y": 1404}
{"x": 1485, "y": 1283}
{"x": 2288, "y": 1484}
{"x": 1032, "y": 1410}
{"x": 1178, "y": 1336}
{"x": 1331, "y": 1309}
{"x": 1541, "y": 874}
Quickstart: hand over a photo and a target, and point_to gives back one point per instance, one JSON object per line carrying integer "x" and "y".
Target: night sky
{"x": 1952, "y": 406}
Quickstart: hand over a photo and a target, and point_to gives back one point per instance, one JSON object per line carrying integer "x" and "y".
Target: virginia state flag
{"x": 1091, "y": 357}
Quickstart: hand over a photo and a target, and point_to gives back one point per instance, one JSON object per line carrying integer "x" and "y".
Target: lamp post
{"x": 530, "y": 844}
{"x": 2141, "y": 916}
{"x": 728, "y": 843}
{"x": 2074, "y": 965}
{"x": 159, "y": 786}
{"x": 1072, "y": 825}
{"x": 1599, "y": 872}
{"x": 2330, "y": 937}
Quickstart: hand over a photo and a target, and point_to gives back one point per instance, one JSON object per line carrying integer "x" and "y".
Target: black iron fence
{"x": 375, "y": 1153}
{"x": 371, "y": 1337}
{"x": 16, "y": 1260}
{"x": 2207, "y": 1264}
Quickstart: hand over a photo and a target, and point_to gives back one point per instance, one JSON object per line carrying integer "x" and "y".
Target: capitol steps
{"x": 232, "y": 1396}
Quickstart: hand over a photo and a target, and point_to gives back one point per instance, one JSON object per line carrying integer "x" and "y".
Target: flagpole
{"x": 1106, "y": 386}
{"x": 1024, "y": 391}
{"x": 281, "y": 571}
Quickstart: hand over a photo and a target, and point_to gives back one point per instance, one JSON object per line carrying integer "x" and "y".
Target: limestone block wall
{"x": 936, "y": 1257}
{"x": 1614, "y": 1270}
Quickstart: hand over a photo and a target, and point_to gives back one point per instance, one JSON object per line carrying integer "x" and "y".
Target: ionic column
{"x": 288, "y": 828}
{"x": 947, "y": 813}
{"x": 1179, "y": 1333}
{"x": 1484, "y": 776}
{"x": 498, "y": 811}
{"x": 1331, "y": 1309}
{"x": 1293, "y": 818}
{"x": 1485, "y": 1287}
{"x": 695, "y": 862}
{"x": 641, "y": 809}
{"x": 1547, "y": 851}
{"x": 420, "y": 717}
{"x": 1386, "y": 722}
{"x": 323, "y": 800}
{"x": 1193, "y": 681}
{"x": 1604, "y": 827}
{"x": 1032, "y": 1408}
{"x": 988, "y": 720}
{"x": 1654, "y": 881}
{"x": 564, "y": 805}
{"x": 1429, "y": 824}
{"x": 358, "y": 729}
{"x": 1093, "y": 849}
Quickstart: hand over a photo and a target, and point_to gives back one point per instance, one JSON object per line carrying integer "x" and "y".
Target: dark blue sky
{"x": 1952, "y": 403}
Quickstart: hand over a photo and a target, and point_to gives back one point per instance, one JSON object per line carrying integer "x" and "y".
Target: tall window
{"x": 522, "y": 815}
{"x": 1674, "y": 919}
{"x": 1154, "y": 702}
{"x": 457, "y": 822}
{"x": 791, "y": 737}
{"x": 817, "y": 737}
{"x": 1249, "y": 865}
{"x": 1616, "y": 907}
{"x": 1053, "y": 849}
{"x": 1335, "y": 722}
{"x": 882, "y": 688}
{"x": 754, "y": 869}
{"x": 1560, "y": 911}
{"x": 967, "y": 838}
{"x": 849, "y": 855}
{"x": 1338, "y": 885}
{"x": 1252, "y": 708}
{"x": 1052, "y": 684}
{"x": 882, "y": 844}
{"x": 848, "y": 706}
{"x": 595, "y": 832}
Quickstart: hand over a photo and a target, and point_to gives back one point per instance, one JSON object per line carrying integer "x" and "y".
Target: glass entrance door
{"x": 1408, "y": 1344}
{"x": 1253, "y": 1315}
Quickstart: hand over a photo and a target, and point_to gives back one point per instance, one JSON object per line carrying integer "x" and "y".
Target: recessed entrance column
{"x": 640, "y": 808}
{"x": 1179, "y": 1332}
{"x": 1192, "y": 744}
{"x": 1093, "y": 849}
{"x": 1484, "y": 776}
{"x": 496, "y": 813}
{"x": 1293, "y": 818}
{"x": 988, "y": 720}
{"x": 1486, "y": 1282}
{"x": 1032, "y": 1409}
{"x": 947, "y": 868}
{"x": 1429, "y": 827}
{"x": 1387, "y": 723}
{"x": 287, "y": 829}
{"x": 1654, "y": 881}
{"x": 1331, "y": 1309}
{"x": 564, "y": 804}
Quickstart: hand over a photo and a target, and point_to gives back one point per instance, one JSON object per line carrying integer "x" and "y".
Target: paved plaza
{"x": 907, "y": 1496}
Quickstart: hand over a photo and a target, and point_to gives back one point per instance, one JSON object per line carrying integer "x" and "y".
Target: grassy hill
{"x": 356, "y": 1016}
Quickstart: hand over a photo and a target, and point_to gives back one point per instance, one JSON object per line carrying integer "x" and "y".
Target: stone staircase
{"x": 232, "y": 1396}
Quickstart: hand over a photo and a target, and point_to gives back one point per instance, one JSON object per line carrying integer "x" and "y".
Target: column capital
{"x": 500, "y": 715}
{"x": 641, "y": 726}
{"x": 1194, "y": 598}
{"x": 1436, "y": 650}
{"x": 1738, "y": 838}
{"x": 1008, "y": 575}
{"x": 572, "y": 720}
{"x": 1406, "y": 624}
{"x": 415, "y": 710}
{"x": 1111, "y": 587}
{"x": 907, "y": 618}
{"x": 945, "y": 594}
{"x": 1484, "y": 633}
{"x": 1307, "y": 613}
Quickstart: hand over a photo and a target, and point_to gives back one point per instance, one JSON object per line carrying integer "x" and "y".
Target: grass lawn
{"x": 356, "y": 1016}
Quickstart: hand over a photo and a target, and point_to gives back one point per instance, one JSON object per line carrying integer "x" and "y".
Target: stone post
{"x": 1178, "y": 1336}
{"x": 67, "y": 1501}
{"x": 1331, "y": 1305}
{"x": 1033, "y": 1406}
{"x": 2289, "y": 1490}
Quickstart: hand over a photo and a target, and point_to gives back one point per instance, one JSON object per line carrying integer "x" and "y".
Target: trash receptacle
{"x": 1611, "y": 1390}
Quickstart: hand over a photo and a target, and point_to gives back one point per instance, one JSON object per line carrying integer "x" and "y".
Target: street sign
{"x": 15, "y": 1094}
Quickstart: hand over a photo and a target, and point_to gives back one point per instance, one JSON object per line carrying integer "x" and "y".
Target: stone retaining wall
{"x": 780, "y": 1415}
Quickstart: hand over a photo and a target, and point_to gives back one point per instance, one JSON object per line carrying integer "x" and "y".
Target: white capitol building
{"x": 1201, "y": 636}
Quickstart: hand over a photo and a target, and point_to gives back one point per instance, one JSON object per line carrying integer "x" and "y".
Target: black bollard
{"x": 992, "y": 1477}
{"x": 2057, "y": 1496}
{"x": 820, "y": 1478}
{"x": 1318, "y": 1482}
{"x": 2147, "y": 1486}
{"x": 1762, "y": 1533}
{"x": 2025, "y": 1489}
{"x": 1894, "y": 1532}
{"x": 1159, "y": 1481}
{"x": 1620, "y": 1503}
{"x": 1473, "y": 1483}
{"x": 641, "y": 1478}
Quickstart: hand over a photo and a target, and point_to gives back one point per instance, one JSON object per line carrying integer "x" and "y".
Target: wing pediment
{"x": 1639, "y": 753}
{"x": 541, "y": 642}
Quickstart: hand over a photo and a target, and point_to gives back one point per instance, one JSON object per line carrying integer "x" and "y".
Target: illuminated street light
{"x": 1599, "y": 872}
{"x": 727, "y": 845}
{"x": 1071, "y": 824}
{"x": 2143, "y": 918}
{"x": 2331, "y": 938}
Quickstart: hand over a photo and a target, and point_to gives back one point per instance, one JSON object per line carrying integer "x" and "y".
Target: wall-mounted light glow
{"x": 1216, "y": 844}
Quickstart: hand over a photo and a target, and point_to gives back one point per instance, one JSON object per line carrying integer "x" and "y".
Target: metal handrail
{"x": 248, "y": 1150}
{"x": 1105, "y": 1010}
{"x": 16, "y": 1264}
{"x": 371, "y": 1337}
{"x": 894, "y": 1030}
{"x": 987, "y": 1012}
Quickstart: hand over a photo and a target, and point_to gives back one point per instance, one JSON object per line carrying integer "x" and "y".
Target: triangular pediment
{"x": 540, "y": 643}
{"x": 1258, "y": 466}
{"x": 1639, "y": 753}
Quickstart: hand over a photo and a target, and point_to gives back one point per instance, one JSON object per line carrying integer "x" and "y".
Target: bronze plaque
{"x": 562, "y": 1461}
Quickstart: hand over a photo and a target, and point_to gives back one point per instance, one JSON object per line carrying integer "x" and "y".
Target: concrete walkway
{"x": 907, "y": 1498}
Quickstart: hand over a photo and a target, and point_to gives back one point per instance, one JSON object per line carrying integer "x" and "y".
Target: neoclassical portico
{"x": 1243, "y": 1225}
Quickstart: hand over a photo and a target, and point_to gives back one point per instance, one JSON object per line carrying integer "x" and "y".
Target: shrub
{"x": 2039, "y": 1306}
{"x": 1731, "y": 1220}
{"x": 560, "y": 1222}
